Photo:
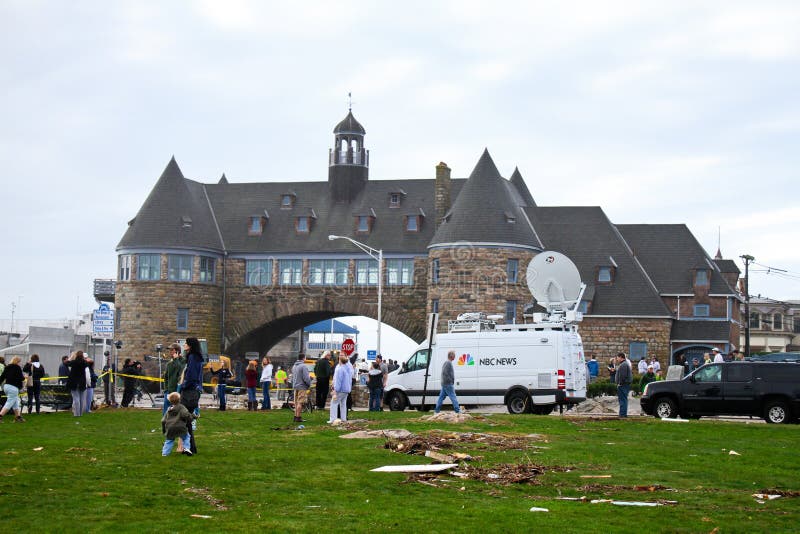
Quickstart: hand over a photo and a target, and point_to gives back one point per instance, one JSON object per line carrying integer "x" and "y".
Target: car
{"x": 761, "y": 389}
{"x": 775, "y": 357}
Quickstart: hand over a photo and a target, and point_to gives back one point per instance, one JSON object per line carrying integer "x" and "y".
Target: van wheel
{"x": 776, "y": 412}
{"x": 543, "y": 409}
{"x": 665, "y": 408}
{"x": 396, "y": 401}
{"x": 518, "y": 402}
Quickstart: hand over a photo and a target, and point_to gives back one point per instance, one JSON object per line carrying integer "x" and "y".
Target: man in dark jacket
{"x": 623, "y": 379}
{"x": 130, "y": 369}
{"x": 172, "y": 374}
{"x": 448, "y": 380}
{"x": 323, "y": 371}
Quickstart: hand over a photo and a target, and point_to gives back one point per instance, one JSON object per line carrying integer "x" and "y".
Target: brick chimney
{"x": 442, "y": 191}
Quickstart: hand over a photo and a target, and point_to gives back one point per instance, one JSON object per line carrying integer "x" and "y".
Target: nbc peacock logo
{"x": 466, "y": 359}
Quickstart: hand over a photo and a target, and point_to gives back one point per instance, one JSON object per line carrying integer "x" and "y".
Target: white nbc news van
{"x": 531, "y": 368}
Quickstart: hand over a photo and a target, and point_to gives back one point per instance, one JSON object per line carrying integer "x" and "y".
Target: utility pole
{"x": 747, "y": 260}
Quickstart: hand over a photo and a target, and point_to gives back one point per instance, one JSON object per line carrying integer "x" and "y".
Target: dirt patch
{"x": 206, "y": 494}
{"x": 501, "y": 475}
{"x": 437, "y": 440}
{"x": 611, "y": 489}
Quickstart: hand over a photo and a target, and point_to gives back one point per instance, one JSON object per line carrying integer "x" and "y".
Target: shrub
{"x": 601, "y": 387}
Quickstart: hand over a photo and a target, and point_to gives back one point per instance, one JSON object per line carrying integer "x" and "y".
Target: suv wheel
{"x": 665, "y": 408}
{"x": 776, "y": 412}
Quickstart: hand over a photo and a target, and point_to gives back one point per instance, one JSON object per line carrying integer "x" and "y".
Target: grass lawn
{"x": 254, "y": 471}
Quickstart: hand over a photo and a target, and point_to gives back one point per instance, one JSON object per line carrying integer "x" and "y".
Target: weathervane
{"x": 349, "y": 101}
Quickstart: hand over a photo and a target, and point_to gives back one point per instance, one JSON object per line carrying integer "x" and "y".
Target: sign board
{"x": 675, "y": 372}
{"x": 348, "y": 347}
{"x": 251, "y": 356}
{"x": 372, "y": 354}
{"x": 103, "y": 322}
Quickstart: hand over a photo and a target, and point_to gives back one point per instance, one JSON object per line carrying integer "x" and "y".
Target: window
{"x": 182, "y": 319}
{"x": 583, "y": 307}
{"x": 287, "y": 201}
{"x": 419, "y": 361}
{"x": 207, "y": 268}
{"x": 302, "y": 225}
{"x": 399, "y": 272}
{"x": 125, "y": 267}
{"x": 179, "y": 267}
{"x": 755, "y": 320}
{"x": 512, "y": 271}
{"x": 511, "y": 311}
{"x": 777, "y": 322}
{"x": 149, "y": 267}
{"x": 394, "y": 200}
{"x": 435, "y": 306}
{"x": 290, "y": 272}
{"x": 258, "y": 273}
{"x": 741, "y": 372}
{"x": 796, "y": 321}
{"x": 362, "y": 224}
{"x": 435, "y": 271}
{"x": 709, "y": 373}
{"x": 328, "y": 272}
{"x": 637, "y": 350}
{"x": 701, "y": 310}
{"x": 604, "y": 275}
{"x": 412, "y": 223}
{"x": 255, "y": 227}
{"x": 366, "y": 272}
{"x": 701, "y": 277}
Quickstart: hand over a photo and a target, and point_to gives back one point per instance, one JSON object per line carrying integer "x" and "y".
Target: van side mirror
{"x": 691, "y": 379}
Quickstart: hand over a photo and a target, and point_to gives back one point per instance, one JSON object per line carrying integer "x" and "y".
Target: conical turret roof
{"x": 519, "y": 183}
{"x": 223, "y": 180}
{"x": 486, "y": 212}
{"x": 349, "y": 125}
{"x": 175, "y": 214}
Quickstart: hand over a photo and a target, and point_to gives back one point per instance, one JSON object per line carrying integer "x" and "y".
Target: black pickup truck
{"x": 763, "y": 389}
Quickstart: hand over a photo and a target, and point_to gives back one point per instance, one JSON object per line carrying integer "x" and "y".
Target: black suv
{"x": 763, "y": 389}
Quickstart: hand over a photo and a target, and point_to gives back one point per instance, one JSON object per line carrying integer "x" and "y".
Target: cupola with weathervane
{"x": 348, "y": 160}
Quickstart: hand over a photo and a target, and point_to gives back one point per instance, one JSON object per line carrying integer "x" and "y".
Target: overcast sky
{"x": 662, "y": 112}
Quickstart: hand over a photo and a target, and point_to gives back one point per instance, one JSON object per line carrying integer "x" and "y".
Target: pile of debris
{"x": 447, "y": 417}
{"x": 437, "y": 440}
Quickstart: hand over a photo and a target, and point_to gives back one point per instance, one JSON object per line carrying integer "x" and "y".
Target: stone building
{"x": 774, "y": 325}
{"x": 246, "y": 264}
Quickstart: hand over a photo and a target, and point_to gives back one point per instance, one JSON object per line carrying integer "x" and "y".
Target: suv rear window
{"x": 740, "y": 372}
{"x": 777, "y": 372}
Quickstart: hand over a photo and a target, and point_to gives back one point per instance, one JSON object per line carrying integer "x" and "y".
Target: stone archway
{"x": 269, "y": 323}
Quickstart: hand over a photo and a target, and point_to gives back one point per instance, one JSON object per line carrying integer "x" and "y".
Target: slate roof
{"x": 235, "y": 203}
{"x": 588, "y": 238}
{"x": 727, "y": 266}
{"x": 670, "y": 253}
{"x": 349, "y": 125}
{"x": 701, "y": 330}
{"x": 175, "y": 214}
{"x": 522, "y": 188}
{"x": 480, "y": 213}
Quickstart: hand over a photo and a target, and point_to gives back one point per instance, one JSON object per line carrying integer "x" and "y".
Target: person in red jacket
{"x": 251, "y": 377}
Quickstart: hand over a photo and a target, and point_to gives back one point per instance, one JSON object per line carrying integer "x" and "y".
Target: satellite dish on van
{"x": 553, "y": 280}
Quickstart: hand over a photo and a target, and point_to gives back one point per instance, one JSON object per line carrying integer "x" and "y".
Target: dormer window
{"x": 605, "y": 274}
{"x": 287, "y": 201}
{"x": 396, "y": 198}
{"x": 510, "y": 217}
{"x": 302, "y": 224}
{"x": 364, "y": 220}
{"x": 256, "y": 225}
{"x": 186, "y": 222}
{"x": 413, "y": 221}
{"x": 701, "y": 277}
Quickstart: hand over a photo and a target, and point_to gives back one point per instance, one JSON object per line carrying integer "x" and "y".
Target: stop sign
{"x": 348, "y": 346}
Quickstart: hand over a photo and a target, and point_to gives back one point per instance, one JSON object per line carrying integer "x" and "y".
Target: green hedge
{"x": 604, "y": 387}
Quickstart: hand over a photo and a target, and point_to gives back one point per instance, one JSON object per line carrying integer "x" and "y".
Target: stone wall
{"x": 606, "y": 336}
{"x": 474, "y": 279}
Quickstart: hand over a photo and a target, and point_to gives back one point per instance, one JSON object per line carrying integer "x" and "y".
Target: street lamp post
{"x": 376, "y": 255}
